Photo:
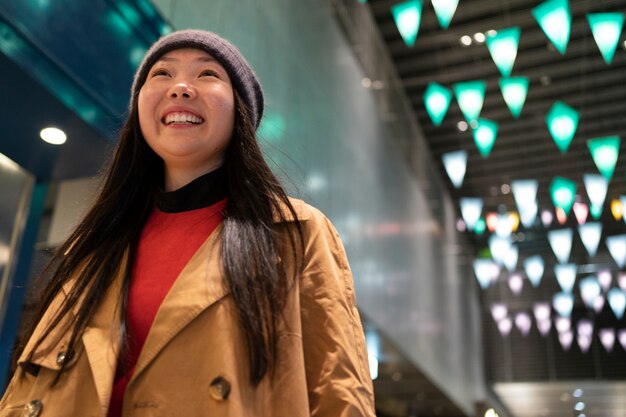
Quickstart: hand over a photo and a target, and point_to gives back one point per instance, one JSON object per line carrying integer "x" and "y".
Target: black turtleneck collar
{"x": 202, "y": 192}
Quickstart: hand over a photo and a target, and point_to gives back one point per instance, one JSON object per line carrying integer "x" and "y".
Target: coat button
{"x": 220, "y": 388}
{"x": 33, "y": 409}
{"x": 61, "y": 357}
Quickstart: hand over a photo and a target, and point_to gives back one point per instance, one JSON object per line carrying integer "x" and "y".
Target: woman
{"x": 194, "y": 286}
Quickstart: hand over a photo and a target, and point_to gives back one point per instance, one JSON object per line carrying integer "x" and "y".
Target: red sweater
{"x": 167, "y": 243}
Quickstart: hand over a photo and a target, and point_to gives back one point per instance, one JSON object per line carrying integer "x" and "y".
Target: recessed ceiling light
{"x": 578, "y": 393}
{"x": 492, "y": 32}
{"x": 53, "y": 135}
{"x": 465, "y": 40}
{"x": 462, "y": 126}
{"x": 624, "y": 44}
{"x": 505, "y": 188}
{"x": 580, "y": 406}
{"x": 479, "y": 37}
{"x": 366, "y": 82}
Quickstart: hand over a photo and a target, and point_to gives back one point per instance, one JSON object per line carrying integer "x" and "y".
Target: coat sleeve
{"x": 337, "y": 372}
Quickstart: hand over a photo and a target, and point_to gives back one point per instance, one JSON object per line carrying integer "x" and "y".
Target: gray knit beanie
{"x": 241, "y": 75}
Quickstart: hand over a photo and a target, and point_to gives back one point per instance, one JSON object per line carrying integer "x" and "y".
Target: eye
{"x": 209, "y": 73}
{"x": 159, "y": 72}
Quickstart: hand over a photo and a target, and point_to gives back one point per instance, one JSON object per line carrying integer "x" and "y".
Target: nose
{"x": 182, "y": 90}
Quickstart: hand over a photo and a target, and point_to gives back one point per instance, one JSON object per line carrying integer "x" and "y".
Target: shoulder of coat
{"x": 303, "y": 210}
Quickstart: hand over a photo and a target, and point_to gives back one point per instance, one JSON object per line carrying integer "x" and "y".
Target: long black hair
{"x": 251, "y": 244}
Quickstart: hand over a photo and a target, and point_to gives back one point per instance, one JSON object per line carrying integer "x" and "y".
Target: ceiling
{"x": 525, "y": 150}
{"x": 26, "y": 108}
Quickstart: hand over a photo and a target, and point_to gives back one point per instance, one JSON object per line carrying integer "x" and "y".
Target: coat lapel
{"x": 199, "y": 285}
{"x": 101, "y": 341}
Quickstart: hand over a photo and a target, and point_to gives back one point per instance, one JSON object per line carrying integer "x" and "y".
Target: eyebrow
{"x": 199, "y": 59}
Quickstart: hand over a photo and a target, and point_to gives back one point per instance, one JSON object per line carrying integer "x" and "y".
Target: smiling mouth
{"x": 182, "y": 119}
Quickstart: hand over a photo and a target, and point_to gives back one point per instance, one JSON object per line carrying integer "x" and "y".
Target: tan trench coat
{"x": 194, "y": 361}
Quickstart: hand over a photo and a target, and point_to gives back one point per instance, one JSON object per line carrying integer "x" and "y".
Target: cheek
{"x": 146, "y": 108}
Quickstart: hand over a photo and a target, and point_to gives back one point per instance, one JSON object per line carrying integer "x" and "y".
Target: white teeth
{"x": 180, "y": 117}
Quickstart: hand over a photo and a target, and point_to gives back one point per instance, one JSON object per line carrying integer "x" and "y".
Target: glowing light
{"x": 437, "y": 100}
{"x": 566, "y": 339}
{"x": 514, "y": 90}
{"x": 617, "y": 209}
{"x": 528, "y": 215}
{"x": 470, "y": 210}
{"x": 542, "y": 311}
{"x": 555, "y": 19}
{"x": 589, "y": 290}
{"x": 480, "y": 227}
{"x": 444, "y": 9}
{"x": 598, "y": 304}
{"x": 499, "y": 248}
{"x": 606, "y": 29}
{"x": 604, "y": 152}
{"x": 372, "y": 342}
{"x": 492, "y": 221}
{"x": 561, "y": 243}
{"x": 504, "y": 326}
{"x": 504, "y": 225}
{"x": 561, "y": 217}
{"x": 563, "y": 192}
{"x": 516, "y": 283}
{"x": 510, "y": 258}
{"x": 607, "y": 338}
{"x": 499, "y": 311}
{"x": 566, "y": 276}
{"x": 485, "y": 136}
{"x": 53, "y": 136}
{"x": 503, "y": 48}
{"x": 617, "y": 249}
{"x": 523, "y": 323}
{"x": 373, "y": 363}
{"x": 563, "y": 304}
{"x": 486, "y": 272}
{"x": 617, "y": 301}
{"x": 605, "y": 278}
{"x": 562, "y": 121}
{"x": 546, "y": 218}
{"x": 584, "y": 328}
{"x": 581, "y": 211}
{"x": 562, "y": 324}
{"x": 544, "y": 327}
{"x": 455, "y": 164}
{"x": 595, "y": 211}
{"x": 533, "y": 266}
{"x": 590, "y": 234}
{"x": 525, "y": 193}
{"x": 470, "y": 96}
{"x": 407, "y": 16}
{"x": 514, "y": 220}
{"x": 596, "y": 186}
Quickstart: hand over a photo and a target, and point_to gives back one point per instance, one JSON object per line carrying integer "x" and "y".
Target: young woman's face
{"x": 187, "y": 111}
